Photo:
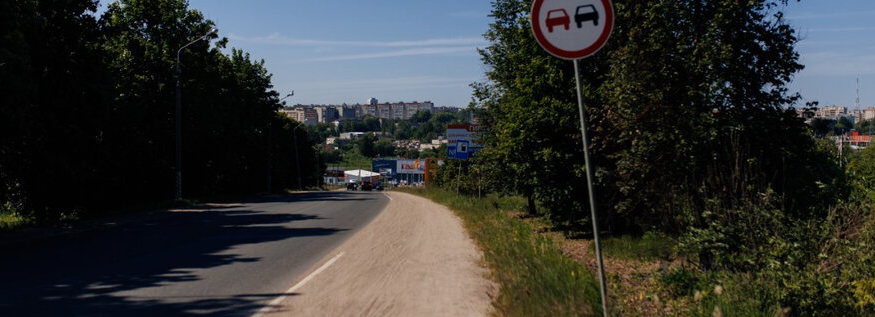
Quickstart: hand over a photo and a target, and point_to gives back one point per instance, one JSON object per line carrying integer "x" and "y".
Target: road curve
{"x": 220, "y": 260}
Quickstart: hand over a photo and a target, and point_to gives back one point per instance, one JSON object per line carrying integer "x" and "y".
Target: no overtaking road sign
{"x": 576, "y": 29}
{"x": 572, "y": 29}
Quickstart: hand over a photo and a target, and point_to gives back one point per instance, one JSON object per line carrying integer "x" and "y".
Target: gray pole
{"x": 589, "y": 180}
{"x": 178, "y": 166}
{"x": 297, "y": 157}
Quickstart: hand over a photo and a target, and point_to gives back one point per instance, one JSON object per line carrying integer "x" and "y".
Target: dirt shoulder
{"x": 415, "y": 259}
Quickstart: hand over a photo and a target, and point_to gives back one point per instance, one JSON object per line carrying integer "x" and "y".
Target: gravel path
{"x": 414, "y": 259}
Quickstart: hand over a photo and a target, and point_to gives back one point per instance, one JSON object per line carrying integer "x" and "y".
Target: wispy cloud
{"x": 838, "y": 64}
{"x": 843, "y": 29}
{"x": 399, "y": 53}
{"x": 831, "y": 15}
{"x": 388, "y": 84}
{"x": 279, "y": 39}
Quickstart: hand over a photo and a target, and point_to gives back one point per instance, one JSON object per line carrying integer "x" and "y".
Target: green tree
{"x": 53, "y": 114}
{"x": 384, "y": 148}
{"x": 844, "y": 125}
{"x": 688, "y": 104}
{"x": 862, "y": 169}
{"x": 865, "y": 126}
{"x": 421, "y": 116}
{"x": 365, "y": 145}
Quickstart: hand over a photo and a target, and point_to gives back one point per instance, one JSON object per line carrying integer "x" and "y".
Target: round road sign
{"x": 572, "y": 29}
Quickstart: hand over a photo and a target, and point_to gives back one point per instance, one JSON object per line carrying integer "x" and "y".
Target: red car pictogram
{"x": 557, "y": 17}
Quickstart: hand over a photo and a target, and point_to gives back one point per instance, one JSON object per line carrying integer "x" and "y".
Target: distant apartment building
{"x": 864, "y": 114}
{"x": 831, "y": 112}
{"x": 447, "y": 109}
{"x": 346, "y": 112}
{"x": 327, "y": 114}
{"x": 331, "y": 113}
{"x": 308, "y": 116}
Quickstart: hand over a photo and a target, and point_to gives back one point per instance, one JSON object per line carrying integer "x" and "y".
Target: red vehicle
{"x": 557, "y": 17}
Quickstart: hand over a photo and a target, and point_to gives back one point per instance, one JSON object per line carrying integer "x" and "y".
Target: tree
{"x": 865, "y": 126}
{"x": 53, "y": 113}
{"x": 366, "y": 145}
{"x": 420, "y": 116}
{"x": 843, "y": 125}
{"x": 384, "y": 148}
{"x": 688, "y": 103}
{"x": 528, "y": 108}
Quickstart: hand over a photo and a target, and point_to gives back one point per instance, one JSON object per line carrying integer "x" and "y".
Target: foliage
{"x": 681, "y": 281}
{"x": 865, "y": 126}
{"x": 689, "y": 120}
{"x": 533, "y": 144}
{"x": 862, "y": 169}
{"x": 693, "y": 135}
{"x": 89, "y": 113}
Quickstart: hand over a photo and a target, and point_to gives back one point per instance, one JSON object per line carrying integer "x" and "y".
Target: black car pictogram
{"x": 586, "y": 13}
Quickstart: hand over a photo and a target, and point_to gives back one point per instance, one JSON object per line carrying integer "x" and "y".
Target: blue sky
{"x": 348, "y": 51}
{"x": 341, "y": 51}
{"x": 837, "y": 46}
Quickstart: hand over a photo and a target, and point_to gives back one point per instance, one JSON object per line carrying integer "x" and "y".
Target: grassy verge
{"x": 535, "y": 278}
{"x": 650, "y": 246}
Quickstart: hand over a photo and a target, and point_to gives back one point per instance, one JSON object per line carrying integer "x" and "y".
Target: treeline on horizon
{"x": 695, "y": 138}
{"x": 88, "y": 110}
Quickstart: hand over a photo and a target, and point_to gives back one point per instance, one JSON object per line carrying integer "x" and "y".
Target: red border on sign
{"x": 584, "y": 53}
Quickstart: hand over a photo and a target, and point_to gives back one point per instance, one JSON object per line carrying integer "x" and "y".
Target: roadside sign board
{"x": 462, "y": 149}
{"x": 460, "y": 141}
{"x": 572, "y": 29}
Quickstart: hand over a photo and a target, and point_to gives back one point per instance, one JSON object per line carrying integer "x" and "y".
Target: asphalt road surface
{"x": 224, "y": 260}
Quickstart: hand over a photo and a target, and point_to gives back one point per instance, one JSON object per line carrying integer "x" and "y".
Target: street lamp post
{"x": 179, "y": 113}
{"x": 297, "y": 157}
{"x": 270, "y": 149}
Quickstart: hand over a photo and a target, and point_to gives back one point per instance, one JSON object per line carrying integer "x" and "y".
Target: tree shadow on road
{"x": 106, "y": 272}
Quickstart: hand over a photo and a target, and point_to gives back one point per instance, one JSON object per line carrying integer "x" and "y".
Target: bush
{"x": 680, "y": 281}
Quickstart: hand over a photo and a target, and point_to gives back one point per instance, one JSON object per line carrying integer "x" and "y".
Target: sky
{"x": 338, "y": 51}
{"x": 837, "y": 45}
{"x": 341, "y": 51}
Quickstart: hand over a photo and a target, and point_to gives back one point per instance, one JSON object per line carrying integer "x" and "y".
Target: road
{"x": 223, "y": 260}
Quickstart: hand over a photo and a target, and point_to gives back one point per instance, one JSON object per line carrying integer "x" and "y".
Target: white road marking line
{"x": 278, "y": 300}
{"x": 387, "y": 196}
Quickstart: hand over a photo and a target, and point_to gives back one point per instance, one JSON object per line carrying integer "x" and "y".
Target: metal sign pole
{"x": 589, "y": 182}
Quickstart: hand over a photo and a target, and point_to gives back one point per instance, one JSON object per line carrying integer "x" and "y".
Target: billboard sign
{"x": 387, "y": 168}
{"x": 408, "y": 166}
{"x": 460, "y": 141}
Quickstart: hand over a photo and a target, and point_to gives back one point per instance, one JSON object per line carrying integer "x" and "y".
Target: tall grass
{"x": 535, "y": 278}
{"x": 650, "y": 246}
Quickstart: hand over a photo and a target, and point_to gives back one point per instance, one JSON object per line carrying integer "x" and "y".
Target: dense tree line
{"x": 694, "y": 135}
{"x": 88, "y": 108}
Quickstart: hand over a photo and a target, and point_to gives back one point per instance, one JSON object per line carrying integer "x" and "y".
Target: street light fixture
{"x": 179, "y": 113}
{"x": 289, "y": 95}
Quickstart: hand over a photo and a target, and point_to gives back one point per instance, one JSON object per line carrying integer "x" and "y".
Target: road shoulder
{"x": 415, "y": 259}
